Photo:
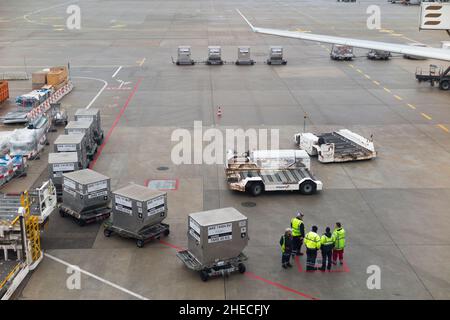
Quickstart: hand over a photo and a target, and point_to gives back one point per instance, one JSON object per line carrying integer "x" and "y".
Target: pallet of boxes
{"x": 216, "y": 239}
{"x": 86, "y": 196}
{"x": 51, "y": 78}
{"x": 137, "y": 213}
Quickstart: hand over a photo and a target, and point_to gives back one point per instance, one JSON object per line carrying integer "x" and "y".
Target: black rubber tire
{"x": 107, "y": 233}
{"x": 204, "y": 275}
{"x": 81, "y": 223}
{"x": 167, "y": 232}
{"x": 269, "y": 63}
{"x": 241, "y": 268}
{"x": 140, "y": 243}
{"x": 444, "y": 85}
{"x": 62, "y": 214}
{"x": 256, "y": 189}
{"x": 308, "y": 187}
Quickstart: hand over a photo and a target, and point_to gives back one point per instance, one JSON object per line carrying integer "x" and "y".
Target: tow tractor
{"x": 435, "y": 75}
{"x": 341, "y": 52}
{"x": 270, "y": 170}
{"x": 338, "y": 146}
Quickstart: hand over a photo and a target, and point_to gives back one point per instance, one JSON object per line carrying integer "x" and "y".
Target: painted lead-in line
{"x": 117, "y": 71}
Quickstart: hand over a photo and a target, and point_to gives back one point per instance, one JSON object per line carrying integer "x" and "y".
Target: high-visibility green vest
{"x": 326, "y": 241}
{"x": 296, "y": 223}
{"x": 312, "y": 240}
{"x": 339, "y": 236}
{"x": 283, "y": 243}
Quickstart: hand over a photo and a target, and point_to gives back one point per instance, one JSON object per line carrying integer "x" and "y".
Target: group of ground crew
{"x": 331, "y": 244}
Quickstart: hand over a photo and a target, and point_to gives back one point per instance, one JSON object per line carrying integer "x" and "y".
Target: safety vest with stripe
{"x": 339, "y": 236}
{"x": 283, "y": 243}
{"x": 312, "y": 240}
{"x": 327, "y": 241}
{"x": 296, "y": 223}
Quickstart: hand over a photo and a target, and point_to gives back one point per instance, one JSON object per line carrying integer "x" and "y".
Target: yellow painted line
{"x": 58, "y": 26}
{"x": 58, "y": 29}
{"x": 398, "y": 97}
{"x": 376, "y": 82}
{"x": 367, "y": 76}
{"x": 411, "y": 106}
{"x": 443, "y": 128}
{"x": 351, "y": 66}
{"x": 119, "y": 26}
{"x": 426, "y": 116}
{"x": 359, "y": 70}
{"x": 142, "y": 62}
{"x": 386, "y": 30}
{"x": 386, "y": 89}
{"x": 396, "y": 34}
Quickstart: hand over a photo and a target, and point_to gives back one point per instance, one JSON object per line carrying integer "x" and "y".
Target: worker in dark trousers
{"x": 298, "y": 234}
{"x": 286, "y": 248}
{"x": 339, "y": 243}
{"x": 326, "y": 246}
{"x": 312, "y": 244}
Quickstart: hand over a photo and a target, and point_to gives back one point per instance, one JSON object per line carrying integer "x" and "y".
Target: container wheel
{"x": 140, "y": 243}
{"x": 81, "y": 223}
{"x": 62, "y": 213}
{"x": 107, "y": 233}
{"x": 167, "y": 232}
{"x": 256, "y": 189}
{"x": 444, "y": 85}
{"x": 204, "y": 275}
{"x": 308, "y": 187}
{"x": 241, "y": 268}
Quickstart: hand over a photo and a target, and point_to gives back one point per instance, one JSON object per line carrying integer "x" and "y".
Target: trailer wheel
{"x": 241, "y": 268}
{"x": 167, "y": 232}
{"x": 107, "y": 233}
{"x": 204, "y": 275}
{"x": 81, "y": 223}
{"x": 308, "y": 187}
{"x": 444, "y": 85}
{"x": 256, "y": 189}
{"x": 62, "y": 213}
{"x": 140, "y": 243}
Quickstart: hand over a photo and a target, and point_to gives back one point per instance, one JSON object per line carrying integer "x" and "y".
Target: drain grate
{"x": 162, "y": 168}
{"x": 248, "y": 204}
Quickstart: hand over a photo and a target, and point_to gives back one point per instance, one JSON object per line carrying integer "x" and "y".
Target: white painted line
{"x": 99, "y": 93}
{"x": 117, "y": 71}
{"x": 109, "y": 283}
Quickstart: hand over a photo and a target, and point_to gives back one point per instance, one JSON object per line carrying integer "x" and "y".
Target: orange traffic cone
{"x": 219, "y": 112}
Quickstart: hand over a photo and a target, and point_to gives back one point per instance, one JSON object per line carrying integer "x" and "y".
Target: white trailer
{"x": 270, "y": 170}
{"x": 338, "y": 146}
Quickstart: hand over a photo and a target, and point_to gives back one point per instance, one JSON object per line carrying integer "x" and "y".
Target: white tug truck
{"x": 270, "y": 170}
{"x": 338, "y": 146}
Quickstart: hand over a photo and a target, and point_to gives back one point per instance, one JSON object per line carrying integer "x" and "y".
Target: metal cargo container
{"x": 217, "y": 235}
{"x": 85, "y": 190}
{"x": 136, "y": 207}
{"x": 94, "y": 115}
{"x": 73, "y": 143}
{"x": 244, "y": 56}
{"x": 184, "y": 56}
{"x": 85, "y": 127}
{"x": 59, "y": 163}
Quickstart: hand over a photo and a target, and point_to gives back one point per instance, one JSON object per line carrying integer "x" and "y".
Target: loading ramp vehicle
{"x": 337, "y": 146}
{"x": 434, "y": 76}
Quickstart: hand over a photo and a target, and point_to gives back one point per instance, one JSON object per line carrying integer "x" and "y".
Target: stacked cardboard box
{"x": 38, "y": 79}
{"x": 57, "y": 75}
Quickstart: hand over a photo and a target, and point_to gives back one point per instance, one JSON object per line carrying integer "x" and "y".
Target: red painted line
{"x": 125, "y": 106}
{"x": 298, "y": 264}
{"x": 171, "y": 245}
{"x": 344, "y": 268}
{"x": 279, "y": 285}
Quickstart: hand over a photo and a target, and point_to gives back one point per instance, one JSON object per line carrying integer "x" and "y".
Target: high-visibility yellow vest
{"x": 312, "y": 240}
{"x": 326, "y": 241}
{"x": 339, "y": 236}
{"x": 296, "y": 223}
{"x": 283, "y": 244}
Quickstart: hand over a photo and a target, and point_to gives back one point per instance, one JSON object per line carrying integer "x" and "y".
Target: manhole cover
{"x": 248, "y": 204}
{"x": 162, "y": 168}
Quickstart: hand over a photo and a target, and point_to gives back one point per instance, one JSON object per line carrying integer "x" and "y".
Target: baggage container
{"x": 94, "y": 115}
{"x": 135, "y": 208}
{"x": 85, "y": 190}
{"x": 83, "y": 127}
{"x": 4, "y": 91}
{"x": 73, "y": 143}
{"x": 59, "y": 163}
{"x": 217, "y": 235}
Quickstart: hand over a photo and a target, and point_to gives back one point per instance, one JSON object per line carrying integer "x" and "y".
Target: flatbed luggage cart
{"x": 89, "y": 216}
{"x": 219, "y": 268}
{"x": 146, "y": 235}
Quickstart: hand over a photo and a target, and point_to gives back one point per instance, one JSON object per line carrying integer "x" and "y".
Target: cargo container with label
{"x": 73, "y": 143}
{"x": 94, "y": 115}
{"x": 59, "y": 163}
{"x": 86, "y": 128}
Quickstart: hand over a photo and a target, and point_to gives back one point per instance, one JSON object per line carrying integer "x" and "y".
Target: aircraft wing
{"x": 426, "y": 52}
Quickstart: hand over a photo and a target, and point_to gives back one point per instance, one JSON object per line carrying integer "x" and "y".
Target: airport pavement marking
{"x": 387, "y": 90}
{"x": 376, "y": 82}
{"x": 99, "y": 93}
{"x": 426, "y": 116}
{"x": 116, "y": 121}
{"x": 141, "y": 63}
{"x": 398, "y": 97}
{"x": 89, "y": 274}
{"x": 443, "y": 128}
{"x": 117, "y": 71}
{"x": 27, "y": 15}
{"x": 252, "y": 275}
{"x": 411, "y": 106}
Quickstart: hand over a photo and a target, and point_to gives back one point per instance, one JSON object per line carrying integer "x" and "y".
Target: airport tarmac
{"x": 394, "y": 208}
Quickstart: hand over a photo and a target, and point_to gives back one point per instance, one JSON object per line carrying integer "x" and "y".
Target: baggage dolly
{"x": 86, "y": 217}
{"x": 219, "y": 268}
{"x": 146, "y": 235}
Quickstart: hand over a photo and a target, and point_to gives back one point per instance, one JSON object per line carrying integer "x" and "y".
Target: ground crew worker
{"x": 286, "y": 248}
{"x": 298, "y": 234}
{"x": 312, "y": 243}
{"x": 339, "y": 243}
{"x": 326, "y": 245}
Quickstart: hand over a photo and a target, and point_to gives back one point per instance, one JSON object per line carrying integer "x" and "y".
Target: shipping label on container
{"x": 121, "y": 208}
{"x": 220, "y": 232}
{"x": 123, "y": 204}
{"x": 58, "y": 167}
{"x": 98, "y": 186}
{"x": 69, "y": 183}
{"x": 66, "y": 147}
{"x": 97, "y": 194}
{"x": 155, "y": 206}
{"x": 242, "y": 223}
{"x": 76, "y": 130}
{"x": 69, "y": 191}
